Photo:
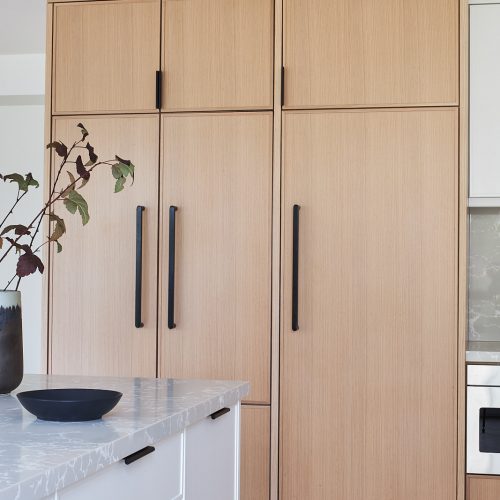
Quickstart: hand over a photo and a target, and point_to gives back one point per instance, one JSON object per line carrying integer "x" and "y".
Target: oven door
{"x": 483, "y": 430}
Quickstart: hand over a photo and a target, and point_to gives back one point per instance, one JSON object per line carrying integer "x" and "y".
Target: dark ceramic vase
{"x": 11, "y": 341}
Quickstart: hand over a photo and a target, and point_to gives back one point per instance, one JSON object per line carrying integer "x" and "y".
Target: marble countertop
{"x": 38, "y": 458}
{"x": 482, "y": 352}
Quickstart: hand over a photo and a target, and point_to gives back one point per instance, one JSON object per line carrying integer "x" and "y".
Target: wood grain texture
{"x": 276, "y": 253}
{"x": 483, "y": 488}
{"x": 375, "y": 360}
{"x": 217, "y": 170}
{"x": 106, "y": 56}
{"x": 463, "y": 243}
{"x": 345, "y": 53}
{"x": 255, "y": 427}
{"x": 218, "y": 54}
{"x": 93, "y": 278}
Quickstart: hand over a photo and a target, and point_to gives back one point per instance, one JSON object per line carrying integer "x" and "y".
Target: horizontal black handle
{"x": 138, "y": 454}
{"x": 219, "y": 413}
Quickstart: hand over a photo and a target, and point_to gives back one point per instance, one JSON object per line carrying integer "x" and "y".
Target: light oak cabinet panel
{"x": 368, "y": 382}
{"x": 105, "y": 56}
{"x": 92, "y": 281}
{"x": 483, "y": 488}
{"x": 218, "y": 54}
{"x": 345, "y": 53}
{"x": 217, "y": 170}
{"x": 255, "y": 442}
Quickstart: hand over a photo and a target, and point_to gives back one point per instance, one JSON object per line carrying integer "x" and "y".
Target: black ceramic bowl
{"x": 69, "y": 405}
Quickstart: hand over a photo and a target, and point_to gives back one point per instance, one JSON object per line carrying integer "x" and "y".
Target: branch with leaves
{"x": 77, "y": 163}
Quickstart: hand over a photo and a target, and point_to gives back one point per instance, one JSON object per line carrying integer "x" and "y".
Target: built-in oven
{"x": 483, "y": 419}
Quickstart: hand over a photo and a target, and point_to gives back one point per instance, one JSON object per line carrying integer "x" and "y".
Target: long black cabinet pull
{"x": 138, "y": 454}
{"x": 171, "y": 267}
{"x": 295, "y": 269}
{"x": 138, "y": 267}
{"x": 219, "y": 413}
{"x": 158, "y": 90}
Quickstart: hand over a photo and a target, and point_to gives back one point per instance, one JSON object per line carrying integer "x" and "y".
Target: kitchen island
{"x": 181, "y": 438}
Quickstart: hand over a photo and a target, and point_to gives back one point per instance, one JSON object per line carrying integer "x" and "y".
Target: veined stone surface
{"x": 38, "y": 458}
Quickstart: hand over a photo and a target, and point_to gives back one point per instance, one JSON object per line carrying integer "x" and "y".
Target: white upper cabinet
{"x": 485, "y": 100}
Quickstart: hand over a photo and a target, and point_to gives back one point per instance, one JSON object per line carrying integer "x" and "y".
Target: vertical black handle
{"x": 295, "y": 269}
{"x": 138, "y": 267}
{"x": 171, "y": 267}
{"x": 158, "y": 90}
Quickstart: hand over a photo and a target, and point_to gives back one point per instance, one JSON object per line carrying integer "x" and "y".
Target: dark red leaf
{"x": 28, "y": 263}
{"x": 81, "y": 170}
{"x": 60, "y": 148}
{"x": 84, "y": 131}
{"x": 92, "y": 155}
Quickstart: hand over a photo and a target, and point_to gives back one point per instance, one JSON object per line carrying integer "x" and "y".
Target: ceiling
{"x": 22, "y": 26}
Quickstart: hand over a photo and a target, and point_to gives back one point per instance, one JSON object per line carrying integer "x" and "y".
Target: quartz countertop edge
{"x": 38, "y": 458}
{"x": 482, "y": 351}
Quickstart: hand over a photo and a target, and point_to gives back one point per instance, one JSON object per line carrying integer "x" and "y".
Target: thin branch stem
{"x": 9, "y": 213}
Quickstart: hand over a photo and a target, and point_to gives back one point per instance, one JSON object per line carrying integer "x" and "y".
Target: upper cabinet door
{"x": 106, "y": 55}
{"x": 348, "y": 53}
{"x": 218, "y": 54}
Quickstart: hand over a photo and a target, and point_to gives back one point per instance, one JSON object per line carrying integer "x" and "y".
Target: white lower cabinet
{"x": 212, "y": 458}
{"x": 200, "y": 463}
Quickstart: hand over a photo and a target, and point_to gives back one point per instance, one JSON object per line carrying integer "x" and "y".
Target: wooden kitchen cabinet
{"x": 483, "y": 488}
{"x": 92, "y": 281}
{"x": 218, "y": 54}
{"x": 340, "y": 53}
{"x": 105, "y": 56}
{"x": 216, "y": 169}
{"x": 368, "y": 387}
{"x": 255, "y": 459}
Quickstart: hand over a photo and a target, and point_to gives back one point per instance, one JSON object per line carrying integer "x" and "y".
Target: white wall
{"x": 22, "y": 83}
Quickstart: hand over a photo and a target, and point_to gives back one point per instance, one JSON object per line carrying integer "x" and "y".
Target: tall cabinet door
{"x": 105, "y": 56}
{"x": 218, "y": 54}
{"x": 97, "y": 266}
{"x": 346, "y": 53}
{"x": 368, "y": 376}
{"x": 216, "y": 170}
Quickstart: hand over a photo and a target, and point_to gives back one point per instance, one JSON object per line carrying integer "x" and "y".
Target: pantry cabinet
{"x": 215, "y": 259}
{"x": 369, "y": 278}
{"x": 105, "y": 56}
{"x": 93, "y": 285}
{"x": 217, "y": 54}
{"x": 341, "y": 53}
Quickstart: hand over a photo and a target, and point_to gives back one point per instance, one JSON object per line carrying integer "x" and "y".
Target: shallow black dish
{"x": 69, "y": 405}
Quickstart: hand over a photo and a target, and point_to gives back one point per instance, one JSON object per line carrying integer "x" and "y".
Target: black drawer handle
{"x": 219, "y": 413}
{"x": 138, "y": 455}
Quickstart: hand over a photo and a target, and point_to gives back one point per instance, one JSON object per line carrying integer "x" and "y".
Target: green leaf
{"x": 23, "y": 183}
{"x": 59, "y": 228}
{"x": 120, "y": 183}
{"x": 74, "y": 202}
{"x": 59, "y": 247}
{"x": 121, "y": 160}
{"x": 116, "y": 171}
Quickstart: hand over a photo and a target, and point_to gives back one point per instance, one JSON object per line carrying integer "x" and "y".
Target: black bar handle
{"x": 171, "y": 267}
{"x": 138, "y": 267}
{"x": 219, "y": 413}
{"x": 295, "y": 269}
{"x": 138, "y": 454}
{"x": 158, "y": 90}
